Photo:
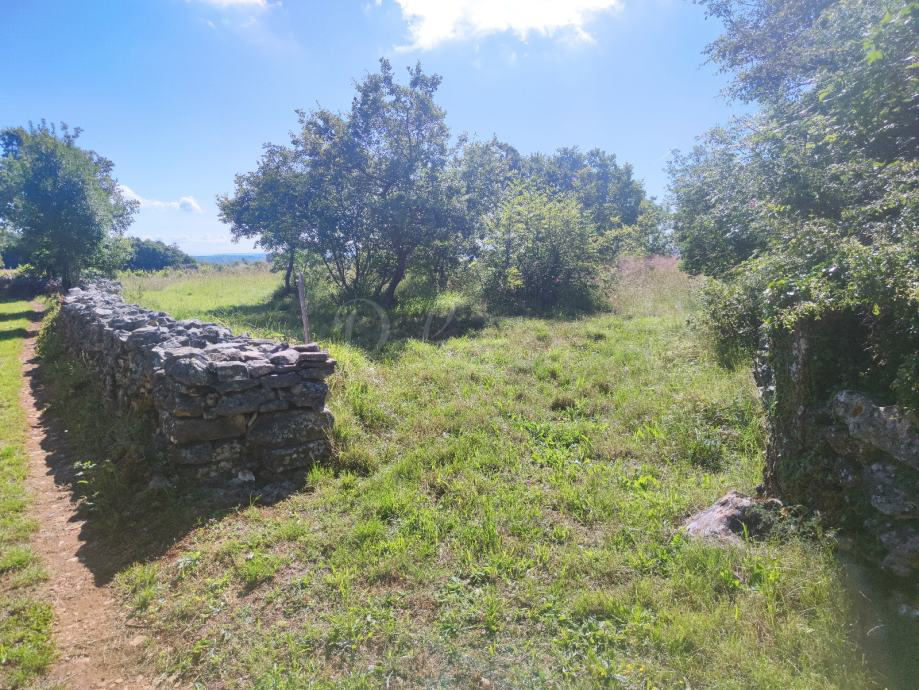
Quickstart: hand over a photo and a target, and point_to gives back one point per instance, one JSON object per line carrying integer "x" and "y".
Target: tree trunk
{"x": 389, "y": 295}
{"x": 289, "y": 271}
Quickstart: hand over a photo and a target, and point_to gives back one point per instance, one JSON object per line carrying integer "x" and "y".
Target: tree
{"x": 153, "y": 255}
{"x": 811, "y": 206}
{"x": 606, "y": 191}
{"x": 718, "y": 195}
{"x": 274, "y": 204}
{"x": 61, "y": 201}
{"x": 541, "y": 253}
{"x": 381, "y": 177}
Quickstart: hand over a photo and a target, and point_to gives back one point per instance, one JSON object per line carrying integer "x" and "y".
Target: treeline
{"x": 128, "y": 253}
{"x": 380, "y": 194}
{"x": 808, "y": 211}
{"x": 62, "y": 212}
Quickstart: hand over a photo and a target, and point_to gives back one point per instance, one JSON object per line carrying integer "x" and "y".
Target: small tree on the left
{"x": 59, "y": 200}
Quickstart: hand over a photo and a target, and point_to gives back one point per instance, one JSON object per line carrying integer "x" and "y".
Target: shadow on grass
{"x": 106, "y": 463}
{"x": 378, "y": 332}
{"x": 13, "y": 316}
{"x": 14, "y": 334}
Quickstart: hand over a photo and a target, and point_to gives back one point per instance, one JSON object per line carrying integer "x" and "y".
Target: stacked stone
{"x": 224, "y": 404}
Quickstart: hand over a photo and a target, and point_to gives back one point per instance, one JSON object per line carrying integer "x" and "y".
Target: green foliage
{"x": 540, "y": 254}
{"x": 810, "y": 209}
{"x": 60, "y": 200}
{"x": 274, "y": 204}
{"x": 376, "y": 196}
{"x": 153, "y": 255}
{"x": 607, "y": 192}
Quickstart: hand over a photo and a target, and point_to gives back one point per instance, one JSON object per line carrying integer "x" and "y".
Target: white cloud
{"x": 185, "y": 203}
{"x": 432, "y": 22}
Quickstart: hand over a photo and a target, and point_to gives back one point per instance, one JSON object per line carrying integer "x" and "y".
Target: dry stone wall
{"x": 224, "y": 405}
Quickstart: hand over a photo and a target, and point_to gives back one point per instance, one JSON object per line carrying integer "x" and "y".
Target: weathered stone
{"x": 729, "y": 519}
{"x": 259, "y": 366}
{"x": 902, "y": 545}
{"x": 193, "y": 454}
{"x": 309, "y": 356}
{"x": 145, "y": 336}
{"x": 204, "y": 383}
{"x": 303, "y": 455}
{"x": 229, "y": 371}
{"x": 273, "y": 406}
{"x": 190, "y": 429}
{"x": 307, "y": 394}
{"x": 288, "y": 428}
{"x": 886, "y": 491}
{"x": 232, "y": 452}
{"x": 187, "y": 405}
{"x": 288, "y": 357}
{"x": 887, "y": 429}
{"x": 286, "y": 380}
{"x": 190, "y": 370}
{"x": 235, "y": 385}
{"x": 243, "y": 403}
{"x": 838, "y": 451}
{"x": 317, "y": 372}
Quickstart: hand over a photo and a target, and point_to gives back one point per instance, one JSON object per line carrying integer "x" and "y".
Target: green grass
{"x": 504, "y": 510}
{"x": 25, "y": 622}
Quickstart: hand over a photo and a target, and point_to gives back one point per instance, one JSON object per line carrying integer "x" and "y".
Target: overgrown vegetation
{"x": 808, "y": 210}
{"x": 25, "y": 620}
{"x": 504, "y": 509}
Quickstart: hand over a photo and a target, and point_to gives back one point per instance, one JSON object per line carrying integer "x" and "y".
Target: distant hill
{"x": 229, "y": 258}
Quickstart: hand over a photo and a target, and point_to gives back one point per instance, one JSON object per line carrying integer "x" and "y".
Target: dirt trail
{"x": 95, "y": 648}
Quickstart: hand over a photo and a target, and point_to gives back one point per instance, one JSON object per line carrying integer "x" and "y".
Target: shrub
{"x": 540, "y": 255}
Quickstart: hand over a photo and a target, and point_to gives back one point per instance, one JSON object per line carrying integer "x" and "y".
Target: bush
{"x": 540, "y": 255}
{"x": 732, "y": 312}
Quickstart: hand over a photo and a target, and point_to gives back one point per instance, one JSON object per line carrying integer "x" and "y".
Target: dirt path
{"x": 95, "y": 649}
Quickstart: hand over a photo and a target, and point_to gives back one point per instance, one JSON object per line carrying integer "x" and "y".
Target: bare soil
{"x": 95, "y": 646}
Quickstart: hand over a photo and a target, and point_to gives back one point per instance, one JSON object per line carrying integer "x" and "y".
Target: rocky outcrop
{"x": 223, "y": 405}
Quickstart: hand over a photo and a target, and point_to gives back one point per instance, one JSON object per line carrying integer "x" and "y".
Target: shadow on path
{"x": 122, "y": 519}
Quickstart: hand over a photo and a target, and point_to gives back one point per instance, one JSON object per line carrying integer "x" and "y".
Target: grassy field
{"x": 25, "y": 621}
{"x": 503, "y": 511}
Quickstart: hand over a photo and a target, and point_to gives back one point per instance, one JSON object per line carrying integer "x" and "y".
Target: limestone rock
{"x": 729, "y": 518}
{"x": 289, "y": 428}
{"x": 888, "y": 429}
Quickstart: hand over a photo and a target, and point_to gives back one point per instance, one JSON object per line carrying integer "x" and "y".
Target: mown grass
{"x": 504, "y": 510}
{"x": 25, "y": 621}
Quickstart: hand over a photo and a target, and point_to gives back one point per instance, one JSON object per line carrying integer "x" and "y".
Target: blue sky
{"x": 181, "y": 94}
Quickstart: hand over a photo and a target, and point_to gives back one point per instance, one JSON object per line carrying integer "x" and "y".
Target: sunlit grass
{"x": 25, "y": 621}
{"x": 504, "y": 509}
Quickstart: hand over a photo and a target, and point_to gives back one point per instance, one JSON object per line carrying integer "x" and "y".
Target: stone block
{"x": 182, "y": 430}
{"x": 191, "y": 370}
{"x": 303, "y": 455}
{"x": 243, "y": 403}
{"x": 288, "y": 428}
